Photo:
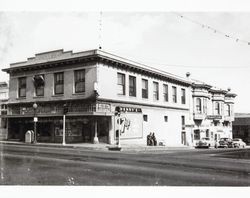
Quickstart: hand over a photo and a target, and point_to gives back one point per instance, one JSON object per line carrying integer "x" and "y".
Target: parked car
{"x": 238, "y": 143}
{"x": 205, "y": 143}
{"x": 226, "y": 143}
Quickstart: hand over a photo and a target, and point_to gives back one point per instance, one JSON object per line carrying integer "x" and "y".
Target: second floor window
{"x": 79, "y": 81}
{"x": 22, "y": 87}
{"x": 198, "y": 105}
{"x": 144, "y": 88}
{"x": 39, "y": 85}
{"x": 155, "y": 91}
{"x": 205, "y": 105}
{"x": 217, "y": 108}
{"x": 183, "y": 96}
{"x": 165, "y": 93}
{"x": 132, "y": 86}
{"x": 121, "y": 83}
{"x": 58, "y": 83}
{"x": 174, "y": 94}
{"x": 228, "y": 111}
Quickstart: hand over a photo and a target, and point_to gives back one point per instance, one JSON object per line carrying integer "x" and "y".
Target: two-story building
{"x": 212, "y": 111}
{"x": 92, "y": 84}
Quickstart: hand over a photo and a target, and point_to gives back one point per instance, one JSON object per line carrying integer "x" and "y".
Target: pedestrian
{"x": 149, "y": 139}
{"x": 154, "y": 140}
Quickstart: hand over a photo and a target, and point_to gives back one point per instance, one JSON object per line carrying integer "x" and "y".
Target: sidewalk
{"x": 100, "y": 146}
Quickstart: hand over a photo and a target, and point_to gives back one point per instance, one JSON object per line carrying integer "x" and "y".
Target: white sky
{"x": 159, "y": 39}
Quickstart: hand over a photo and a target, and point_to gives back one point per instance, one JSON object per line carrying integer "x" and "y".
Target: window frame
{"x": 123, "y": 83}
{"x": 144, "y": 92}
{"x": 165, "y": 92}
{"x": 58, "y": 82}
{"x": 80, "y": 80}
{"x": 183, "y": 96}
{"x": 21, "y": 86}
{"x": 174, "y": 94}
{"x": 155, "y": 91}
{"x": 198, "y": 107}
{"x": 132, "y": 86}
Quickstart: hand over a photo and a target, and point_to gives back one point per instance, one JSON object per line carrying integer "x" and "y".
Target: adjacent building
{"x": 213, "y": 112}
{"x": 90, "y": 86}
{"x": 4, "y": 90}
{"x": 241, "y": 127}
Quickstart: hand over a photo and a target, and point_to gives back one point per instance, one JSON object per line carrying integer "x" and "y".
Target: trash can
{"x": 28, "y": 137}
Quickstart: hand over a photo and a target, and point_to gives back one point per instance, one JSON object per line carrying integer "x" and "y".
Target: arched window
{"x": 198, "y": 105}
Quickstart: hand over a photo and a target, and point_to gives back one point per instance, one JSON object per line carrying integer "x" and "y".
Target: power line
{"x": 100, "y": 30}
{"x": 214, "y": 30}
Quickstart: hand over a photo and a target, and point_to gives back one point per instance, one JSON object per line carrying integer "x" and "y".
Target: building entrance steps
{"x": 100, "y": 146}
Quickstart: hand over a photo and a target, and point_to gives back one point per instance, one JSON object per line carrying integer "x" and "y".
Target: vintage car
{"x": 238, "y": 143}
{"x": 225, "y": 143}
{"x": 205, "y": 143}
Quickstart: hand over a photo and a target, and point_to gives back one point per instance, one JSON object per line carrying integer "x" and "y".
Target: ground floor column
{"x": 111, "y": 130}
{"x": 96, "y": 141}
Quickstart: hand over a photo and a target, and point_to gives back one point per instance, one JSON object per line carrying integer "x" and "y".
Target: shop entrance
{"x": 183, "y": 138}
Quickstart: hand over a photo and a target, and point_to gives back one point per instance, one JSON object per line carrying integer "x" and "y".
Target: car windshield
{"x": 205, "y": 138}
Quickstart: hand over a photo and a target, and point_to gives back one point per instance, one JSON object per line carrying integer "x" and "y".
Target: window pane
{"x": 165, "y": 92}
{"x": 174, "y": 92}
{"x": 132, "y": 86}
{"x": 121, "y": 84}
{"x": 155, "y": 91}
{"x": 144, "y": 88}
{"x": 79, "y": 81}
{"x": 59, "y": 83}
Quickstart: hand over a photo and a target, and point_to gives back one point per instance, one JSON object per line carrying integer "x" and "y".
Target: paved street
{"x": 38, "y": 165}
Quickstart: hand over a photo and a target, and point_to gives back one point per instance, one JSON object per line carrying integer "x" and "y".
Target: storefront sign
{"x": 214, "y": 117}
{"x": 130, "y": 109}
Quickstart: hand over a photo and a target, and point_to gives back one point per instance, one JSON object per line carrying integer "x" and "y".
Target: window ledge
{"x": 38, "y": 96}
{"x": 57, "y": 95}
{"x": 77, "y": 94}
{"x": 21, "y": 98}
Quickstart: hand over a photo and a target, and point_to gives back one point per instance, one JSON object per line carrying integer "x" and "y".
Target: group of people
{"x": 151, "y": 139}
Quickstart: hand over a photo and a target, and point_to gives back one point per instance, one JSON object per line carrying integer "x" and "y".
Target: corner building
{"x": 92, "y": 84}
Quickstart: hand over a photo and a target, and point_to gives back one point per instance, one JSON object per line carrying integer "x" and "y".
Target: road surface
{"x": 37, "y": 165}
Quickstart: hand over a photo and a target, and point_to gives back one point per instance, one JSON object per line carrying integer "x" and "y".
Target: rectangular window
{"x": 58, "y": 83}
{"x": 166, "y": 118}
{"x": 155, "y": 91}
{"x": 196, "y": 134}
{"x": 132, "y": 86}
{"x": 183, "y": 96}
{"x": 205, "y": 105}
{"x": 79, "y": 81}
{"x": 174, "y": 94}
{"x": 39, "y": 84}
{"x": 144, "y": 88}
{"x": 145, "y": 118}
{"x": 183, "y": 122}
{"x": 22, "y": 87}
{"x": 121, "y": 83}
{"x": 165, "y": 93}
{"x": 217, "y": 108}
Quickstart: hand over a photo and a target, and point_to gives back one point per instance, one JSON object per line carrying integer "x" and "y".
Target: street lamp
{"x": 35, "y": 121}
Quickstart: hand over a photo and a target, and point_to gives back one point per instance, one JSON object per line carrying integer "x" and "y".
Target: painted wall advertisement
{"x": 130, "y": 125}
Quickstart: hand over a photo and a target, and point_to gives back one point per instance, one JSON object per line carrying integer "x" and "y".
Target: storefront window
{"x": 196, "y": 134}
